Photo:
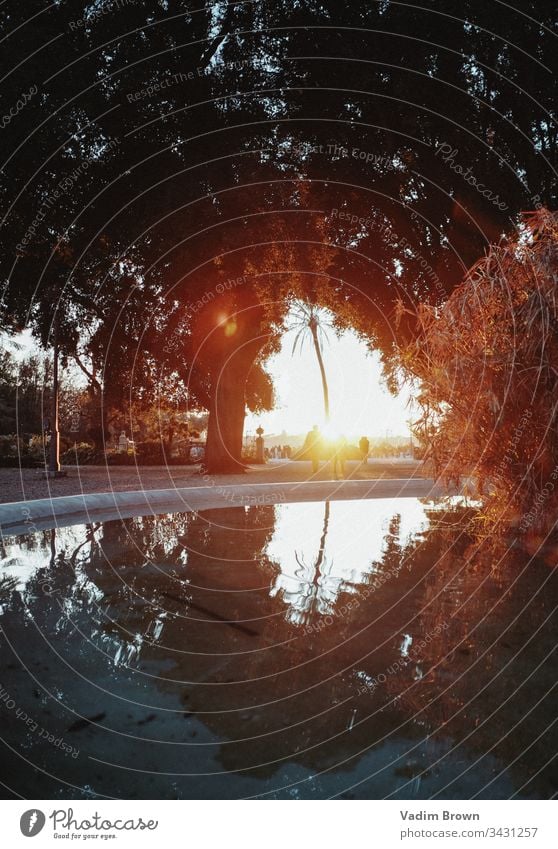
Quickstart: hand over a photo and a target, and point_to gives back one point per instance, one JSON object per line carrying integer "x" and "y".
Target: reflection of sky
{"x": 309, "y": 581}
{"x": 319, "y": 550}
{"x": 21, "y": 559}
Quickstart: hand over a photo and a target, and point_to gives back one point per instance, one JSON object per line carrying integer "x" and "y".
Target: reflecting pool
{"x": 352, "y": 649}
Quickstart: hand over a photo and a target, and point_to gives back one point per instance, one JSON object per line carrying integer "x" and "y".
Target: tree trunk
{"x": 325, "y": 388}
{"x": 232, "y": 348}
{"x": 227, "y": 411}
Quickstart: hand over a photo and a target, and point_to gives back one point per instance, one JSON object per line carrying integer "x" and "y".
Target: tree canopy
{"x": 178, "y": 174}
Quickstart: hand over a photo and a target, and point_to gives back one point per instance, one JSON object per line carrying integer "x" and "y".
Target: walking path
{"x": 100, "y": 494}
{"x": 27, "y": 484}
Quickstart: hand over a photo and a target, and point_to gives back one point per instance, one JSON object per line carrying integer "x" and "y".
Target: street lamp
{"x": 54, "y": 446}
{"x": 260, "y": 455}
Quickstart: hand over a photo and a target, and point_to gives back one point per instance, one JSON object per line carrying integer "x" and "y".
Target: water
{"x": 354, "y": 650}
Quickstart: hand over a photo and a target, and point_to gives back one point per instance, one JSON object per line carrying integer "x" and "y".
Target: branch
{"x": 226, "y": 30}
{"x": 91, "y": 377}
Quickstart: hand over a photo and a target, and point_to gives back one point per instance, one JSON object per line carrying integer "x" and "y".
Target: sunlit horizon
{"x": 359, "y": 400}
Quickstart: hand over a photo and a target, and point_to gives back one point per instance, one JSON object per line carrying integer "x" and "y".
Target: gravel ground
{"x": 27, "y": 484}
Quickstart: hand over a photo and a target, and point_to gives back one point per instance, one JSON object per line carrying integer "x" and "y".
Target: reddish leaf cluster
{"x": 485, "y": 365}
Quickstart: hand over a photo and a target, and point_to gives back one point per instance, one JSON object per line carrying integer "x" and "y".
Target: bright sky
{"x": 20, "y": 346}
{"x": 359, "y": 401}
{"x": 360, "y": 404}
{"x": 349, "y": 559}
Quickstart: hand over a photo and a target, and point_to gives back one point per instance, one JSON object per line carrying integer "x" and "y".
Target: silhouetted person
{"x": 338, "y": 457}
{"x": 314, "y": 443}
{"x": 364, "y": 448}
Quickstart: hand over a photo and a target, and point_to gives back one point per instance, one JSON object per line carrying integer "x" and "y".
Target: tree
{"x": 307, "y": 320}
{"x": 486, "y": 368}
{"x": 160, "y": 184}
{"x": 25, "y": 389}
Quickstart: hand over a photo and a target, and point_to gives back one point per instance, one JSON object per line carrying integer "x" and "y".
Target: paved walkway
{"x": 26, "y": 484}
{"x": 29, "y": 516}
{"x": 269, "y": 485}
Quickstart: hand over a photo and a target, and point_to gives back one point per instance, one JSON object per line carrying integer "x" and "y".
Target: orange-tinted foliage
{"x": 486, "y": 367}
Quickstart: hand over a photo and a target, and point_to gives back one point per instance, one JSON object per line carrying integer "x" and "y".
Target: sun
{"x": 361, "y": 404}
{"x": 333, "y": 430}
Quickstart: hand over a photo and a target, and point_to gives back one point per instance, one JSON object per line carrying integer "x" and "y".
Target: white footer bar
{"x": 279, "y": 824}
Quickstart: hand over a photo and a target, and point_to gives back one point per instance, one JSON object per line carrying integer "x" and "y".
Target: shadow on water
{"x": 360, "y": 649}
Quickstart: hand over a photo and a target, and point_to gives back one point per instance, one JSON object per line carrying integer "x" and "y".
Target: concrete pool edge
{"x": 20, "y": 517}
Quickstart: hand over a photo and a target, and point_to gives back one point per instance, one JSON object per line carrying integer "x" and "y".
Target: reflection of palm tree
{"x": 323, "y": 537}
{"x": 52, "y": 547}
{"x": 317, "y": 589}
{"x": 308, "y": 320}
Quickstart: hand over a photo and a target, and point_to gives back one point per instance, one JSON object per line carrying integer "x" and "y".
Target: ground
{"x": 27, "y": 484}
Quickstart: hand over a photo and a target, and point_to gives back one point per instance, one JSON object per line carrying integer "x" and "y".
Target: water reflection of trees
{"x": 316, "y": 589}
{"x": 311, "y": 589}
{"x": 189, "y": 597}
{"x": 488, "y": 682}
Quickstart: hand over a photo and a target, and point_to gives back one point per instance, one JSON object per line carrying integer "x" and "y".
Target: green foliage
{"x": 11, "y": 444}
{"x": 154, "y": 453}
{"x": 24, "y": 392}
{"x": 82, "y": 454}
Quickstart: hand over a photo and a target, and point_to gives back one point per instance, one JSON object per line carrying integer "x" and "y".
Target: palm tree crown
{"x": 308, "y": 321}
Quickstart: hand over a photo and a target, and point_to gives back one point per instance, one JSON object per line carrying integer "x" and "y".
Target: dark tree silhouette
{"x": 349, "y": 154}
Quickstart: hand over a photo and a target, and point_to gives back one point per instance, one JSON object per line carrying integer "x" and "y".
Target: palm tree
{"x": 317, "y": 587}
{"x": 309, "y": 321}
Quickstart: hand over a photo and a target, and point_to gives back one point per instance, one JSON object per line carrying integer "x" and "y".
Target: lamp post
{"x": 54, "y": 448}
{"x": 260, "y": 456}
